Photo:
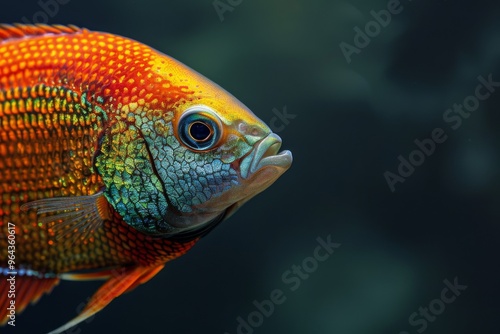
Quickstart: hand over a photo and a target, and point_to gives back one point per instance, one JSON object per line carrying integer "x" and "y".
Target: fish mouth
{"x": 258, "y": 170}
{"x": 265, "y": 154}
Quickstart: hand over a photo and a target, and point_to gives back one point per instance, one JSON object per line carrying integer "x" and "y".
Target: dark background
{"x": 352, "y": 122}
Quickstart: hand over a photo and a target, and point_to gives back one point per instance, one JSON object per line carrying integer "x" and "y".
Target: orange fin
{"x": 120, "y": 282}
{"x": 99, "y": 275}
{"x": 145, "y": 277}
{"x": 18, "y": 30}
{"x": 27, "y": 289}
{"x": 73, "y": 219}
{"x": 105, "y": 274}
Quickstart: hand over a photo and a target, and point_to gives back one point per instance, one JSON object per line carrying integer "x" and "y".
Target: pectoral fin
{"x": 120, "y": 281}
{"x": 73, "y": 219}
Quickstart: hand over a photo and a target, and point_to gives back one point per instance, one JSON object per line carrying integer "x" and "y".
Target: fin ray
{"x": 90, "y": 276}
{"x": 74, "y": 218}
{"x": 18, "y": 30}
{"x": 116, "y": 285}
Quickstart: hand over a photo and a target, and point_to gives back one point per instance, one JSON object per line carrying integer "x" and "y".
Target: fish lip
{"x": 265, "y": 153}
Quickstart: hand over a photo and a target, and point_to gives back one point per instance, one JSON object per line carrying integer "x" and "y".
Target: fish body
{"x": 114, "y": 159}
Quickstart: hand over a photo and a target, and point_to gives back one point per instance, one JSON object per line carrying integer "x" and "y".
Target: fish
{"x": 114, "y": 159}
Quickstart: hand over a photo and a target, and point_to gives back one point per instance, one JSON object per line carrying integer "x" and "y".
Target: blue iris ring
{"x": 199, "y": 128}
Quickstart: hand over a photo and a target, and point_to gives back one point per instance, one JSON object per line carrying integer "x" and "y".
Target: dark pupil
{"x": 199, "y": 131}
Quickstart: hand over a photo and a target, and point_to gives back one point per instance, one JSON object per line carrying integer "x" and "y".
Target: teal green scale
{"x": 152, "y": 180}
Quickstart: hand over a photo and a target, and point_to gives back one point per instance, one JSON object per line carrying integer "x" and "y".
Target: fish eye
{"x": 199, "y": 129}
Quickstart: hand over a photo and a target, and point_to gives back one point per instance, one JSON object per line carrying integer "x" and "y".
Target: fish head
{"x": 203, "y": 155}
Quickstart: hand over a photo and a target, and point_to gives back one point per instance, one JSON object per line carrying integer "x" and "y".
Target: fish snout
{"x": 253, "y": 133}
{"x": 266, "y": 155}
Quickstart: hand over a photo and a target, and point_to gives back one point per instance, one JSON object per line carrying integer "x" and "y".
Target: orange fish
{"x": 114, "y": 159}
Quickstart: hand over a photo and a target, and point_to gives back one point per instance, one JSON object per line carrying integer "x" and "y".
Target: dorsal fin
{"x": 18, "y": 30}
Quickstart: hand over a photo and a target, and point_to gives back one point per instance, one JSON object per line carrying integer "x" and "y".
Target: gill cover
{"x": 156, "y": 175}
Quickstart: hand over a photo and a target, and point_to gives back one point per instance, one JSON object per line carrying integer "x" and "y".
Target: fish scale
{"x": 114, "y": 159}
{"x": 59, "y": 124}
{"x": 49, "y": 124}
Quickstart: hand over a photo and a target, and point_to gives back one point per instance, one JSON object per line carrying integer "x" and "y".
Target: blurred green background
{"x": 352, "y": 121}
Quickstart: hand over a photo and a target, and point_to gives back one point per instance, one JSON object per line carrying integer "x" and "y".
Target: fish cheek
{"x": 191, "y": 178}
{"x": 132, "y": 185}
